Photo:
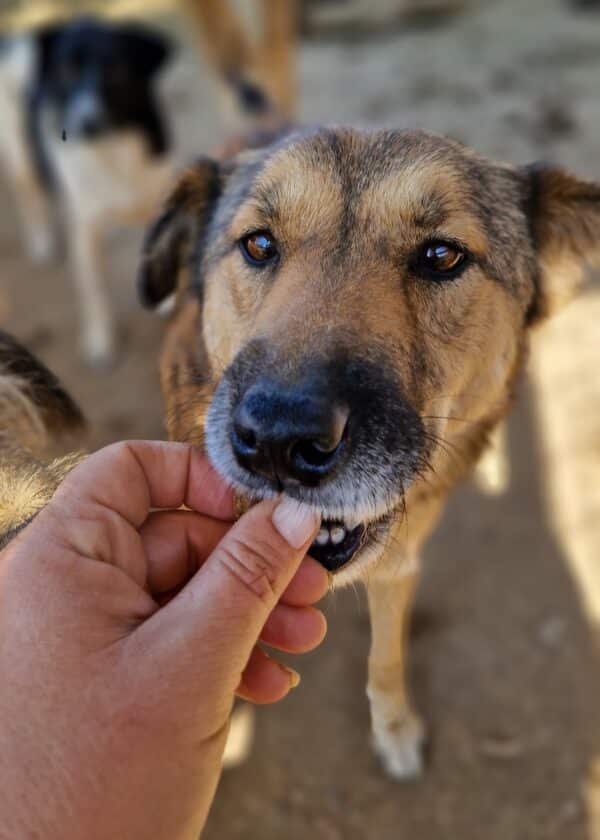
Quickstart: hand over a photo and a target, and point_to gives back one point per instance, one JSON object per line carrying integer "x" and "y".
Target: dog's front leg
{"x": 398, "y": 733}
{"x": 97, "y": 328}
{"x": 33, "y": 206}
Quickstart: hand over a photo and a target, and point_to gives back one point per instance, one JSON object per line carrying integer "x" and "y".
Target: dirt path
{"x": 505, "y": 658}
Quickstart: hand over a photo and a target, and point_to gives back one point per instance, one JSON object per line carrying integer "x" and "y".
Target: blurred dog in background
{"x": 81, "y": 123}
{"x": 253, "y": 56}
{"x": 83, "y": 129}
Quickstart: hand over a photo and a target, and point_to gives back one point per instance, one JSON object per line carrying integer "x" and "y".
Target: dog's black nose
{"x": 91, "y": 126}
{"x": 289, "y": 433}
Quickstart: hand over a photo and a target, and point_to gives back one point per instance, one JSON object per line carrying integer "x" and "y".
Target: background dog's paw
{"x": 98, "y": 349}
{"x": 400, "y": 746}
{"x": 41, "y": 245}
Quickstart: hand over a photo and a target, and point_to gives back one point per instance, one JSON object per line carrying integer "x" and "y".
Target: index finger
{"x": 132, "y": 477}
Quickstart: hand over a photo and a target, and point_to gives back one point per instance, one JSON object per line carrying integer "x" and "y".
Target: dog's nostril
{"x": 244, "y": 438}
{"x": 315, "y": 454}
{"x": 247, "y": 436}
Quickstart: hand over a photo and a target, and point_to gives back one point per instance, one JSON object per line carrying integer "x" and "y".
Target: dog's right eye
{"x": 259, "y": 248}
{"x": 441, "y": 260}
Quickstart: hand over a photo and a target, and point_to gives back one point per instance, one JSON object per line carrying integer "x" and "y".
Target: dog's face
{"x": 364, "y": 301}
{"x": 96, "y": 77}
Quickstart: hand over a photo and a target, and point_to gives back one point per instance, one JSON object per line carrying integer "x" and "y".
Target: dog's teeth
{"x": 322, "y": 537}
{"x": 337, "y": 535}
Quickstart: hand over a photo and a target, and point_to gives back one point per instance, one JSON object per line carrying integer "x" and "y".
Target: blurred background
{"x": 505, "y": 660}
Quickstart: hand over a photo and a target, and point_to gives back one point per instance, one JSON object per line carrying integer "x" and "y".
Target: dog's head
{"x": 97, "y": 76}
{"x": 359, "y": 304}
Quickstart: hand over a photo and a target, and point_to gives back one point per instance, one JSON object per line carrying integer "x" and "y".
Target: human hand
{"x": 125, "y": 632}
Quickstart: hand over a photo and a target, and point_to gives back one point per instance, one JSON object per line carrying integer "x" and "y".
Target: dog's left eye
{"x": 441, "y": 259}
{"x": 259, "y": 248}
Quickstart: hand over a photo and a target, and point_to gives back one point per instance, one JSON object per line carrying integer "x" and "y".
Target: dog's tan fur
{"x": 34, "y": 413}
{"x": 476, "y": 332}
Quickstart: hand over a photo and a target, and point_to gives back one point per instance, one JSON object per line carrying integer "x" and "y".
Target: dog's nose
{"x": 289, "y": 433}
{"x": 91, "y": 126}
{"x": 85, "y": 115}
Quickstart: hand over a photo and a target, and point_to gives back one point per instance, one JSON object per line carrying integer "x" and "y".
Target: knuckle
{"x": 256, "y": 565}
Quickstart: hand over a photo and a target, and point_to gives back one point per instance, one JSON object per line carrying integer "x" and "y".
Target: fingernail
{"x": 295, "y": 522}
{"x": 294, "y": 676}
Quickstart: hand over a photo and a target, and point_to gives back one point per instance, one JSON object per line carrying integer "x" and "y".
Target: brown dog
{"x": 351, "y": 330}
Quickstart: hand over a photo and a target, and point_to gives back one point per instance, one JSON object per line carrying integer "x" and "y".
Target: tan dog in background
{"x": 258, "y": 67}
{"x": 350, "y": 332}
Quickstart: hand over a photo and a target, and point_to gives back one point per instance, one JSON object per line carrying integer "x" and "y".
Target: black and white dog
{"x": 82, "y": 130}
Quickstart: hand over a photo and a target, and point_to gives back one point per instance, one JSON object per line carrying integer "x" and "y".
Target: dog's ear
{"x": 172, "y": 239}
{"x": 148, "y": 49}
{"x": 564, "y": 218}
{"x": 45, "y": 40}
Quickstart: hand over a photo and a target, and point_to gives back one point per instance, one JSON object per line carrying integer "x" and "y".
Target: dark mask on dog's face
{"x": 95, "y": 77}
{"x": 363, "y": 303}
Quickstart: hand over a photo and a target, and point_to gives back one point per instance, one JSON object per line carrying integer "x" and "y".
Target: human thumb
{"x": 220, "y": 613}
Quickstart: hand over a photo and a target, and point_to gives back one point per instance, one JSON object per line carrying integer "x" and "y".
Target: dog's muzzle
{"x": 290, "y": 435}
{"x": 338, "y": 436}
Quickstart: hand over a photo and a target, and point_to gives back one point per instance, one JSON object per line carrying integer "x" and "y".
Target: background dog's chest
{"x": 112, "y": 180}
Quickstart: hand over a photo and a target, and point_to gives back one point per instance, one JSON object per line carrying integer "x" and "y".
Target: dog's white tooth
{"x": 337, "y": 535}
{"x": 322, "y": 537}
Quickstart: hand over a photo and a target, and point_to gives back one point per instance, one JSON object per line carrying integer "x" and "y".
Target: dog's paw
{"x": 400, "y": 746}
{"x": 40, "y": 244}
{"x": 98, "y": 349}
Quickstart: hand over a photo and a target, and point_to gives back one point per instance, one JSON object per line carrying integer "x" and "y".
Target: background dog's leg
{"x": 251, "y": 60}
{"x": 397, "y": 731}
{"x": 31, "y": 198}
{"x": 97, "y": 328}
{"x": 277, "y": 54}
{"x": 225, "y": 46}
{"x": 34, "y": 211}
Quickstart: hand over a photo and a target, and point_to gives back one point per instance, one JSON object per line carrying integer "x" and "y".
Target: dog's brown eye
{"x": 259, "y": 248}
{"x": 442, "y": 258}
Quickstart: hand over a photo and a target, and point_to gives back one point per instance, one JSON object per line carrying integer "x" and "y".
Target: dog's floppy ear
{"x": 564, "y": 218}
{"x": 46, "y": 38}
{"x": 172, "y": 238}
{"x": 149, "y": 49}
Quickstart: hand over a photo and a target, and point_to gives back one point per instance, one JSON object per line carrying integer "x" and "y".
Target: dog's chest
{"x": 113, "y": 180}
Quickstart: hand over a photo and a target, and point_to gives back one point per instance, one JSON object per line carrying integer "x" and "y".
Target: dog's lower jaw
{"x": 367, "y": 555}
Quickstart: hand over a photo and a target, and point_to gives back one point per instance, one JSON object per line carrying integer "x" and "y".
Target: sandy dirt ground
{"x": 504, "y": 662}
